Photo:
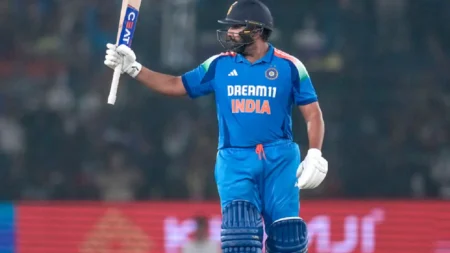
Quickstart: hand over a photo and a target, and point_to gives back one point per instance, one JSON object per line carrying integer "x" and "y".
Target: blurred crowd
{"x": 380, "y": 68}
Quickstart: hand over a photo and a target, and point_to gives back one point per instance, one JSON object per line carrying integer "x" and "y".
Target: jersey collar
{"x": 266, "y": 58}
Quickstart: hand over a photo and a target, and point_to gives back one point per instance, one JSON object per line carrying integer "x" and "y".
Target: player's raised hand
{"x": 312, "y": 170}
{"x": 124, "y": 56}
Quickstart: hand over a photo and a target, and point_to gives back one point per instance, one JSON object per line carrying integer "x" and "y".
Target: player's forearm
{"x": 316, "y": 130}
{"x": 161, "y": 83}
{"x": 314, "y": 121}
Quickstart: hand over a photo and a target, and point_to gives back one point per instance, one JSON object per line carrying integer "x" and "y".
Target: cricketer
{"x": 259, "y": 172}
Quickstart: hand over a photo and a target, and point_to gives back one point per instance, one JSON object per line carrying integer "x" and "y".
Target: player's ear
{"x": 256, "y": 34}
{"x": 265, "y": 34}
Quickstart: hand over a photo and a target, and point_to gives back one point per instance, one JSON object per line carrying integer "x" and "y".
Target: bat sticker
{"x": 128, "y": 27}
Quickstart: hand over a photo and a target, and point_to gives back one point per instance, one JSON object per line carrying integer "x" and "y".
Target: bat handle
{"x": 114, "y": 85}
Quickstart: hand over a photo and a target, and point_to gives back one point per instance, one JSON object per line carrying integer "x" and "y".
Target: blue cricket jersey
{"x": 254, "y": 101}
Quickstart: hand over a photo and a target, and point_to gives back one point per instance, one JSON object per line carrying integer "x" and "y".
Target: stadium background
{"x": 77, "y": 175}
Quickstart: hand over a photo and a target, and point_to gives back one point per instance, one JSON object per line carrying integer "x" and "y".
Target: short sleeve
{"x": 200, "y": 81}
{"x": 303, "y": 89}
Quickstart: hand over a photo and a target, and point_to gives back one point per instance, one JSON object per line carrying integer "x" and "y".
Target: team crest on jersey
{"x": 271, "y": 74}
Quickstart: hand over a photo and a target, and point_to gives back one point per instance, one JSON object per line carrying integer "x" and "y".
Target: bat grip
{"x": 114, "y": 85}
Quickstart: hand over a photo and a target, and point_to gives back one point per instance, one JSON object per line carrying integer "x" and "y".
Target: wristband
{"x": 134, "y": 69}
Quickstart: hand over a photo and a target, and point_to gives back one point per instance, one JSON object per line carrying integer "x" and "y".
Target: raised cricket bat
{"x": 127, "y": 25}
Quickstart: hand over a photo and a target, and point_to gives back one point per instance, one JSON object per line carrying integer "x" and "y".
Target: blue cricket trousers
{"x": 265, "y": 176}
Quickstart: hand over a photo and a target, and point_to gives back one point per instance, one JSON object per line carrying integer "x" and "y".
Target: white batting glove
{"x": 312, "y": 170}
{"x": 122, "y": 55}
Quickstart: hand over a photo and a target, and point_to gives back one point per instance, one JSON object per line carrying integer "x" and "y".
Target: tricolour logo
{"x": 231, "y": 8}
